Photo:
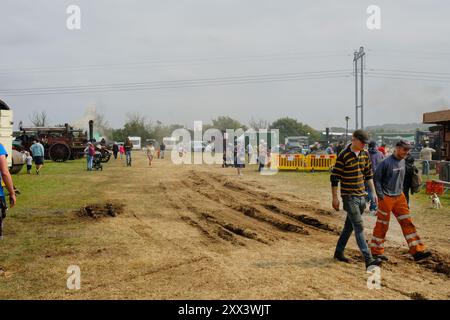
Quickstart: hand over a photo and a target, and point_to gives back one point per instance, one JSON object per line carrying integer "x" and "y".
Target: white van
{"x": 136, "y": 141}
{"x": 170, "y": 142}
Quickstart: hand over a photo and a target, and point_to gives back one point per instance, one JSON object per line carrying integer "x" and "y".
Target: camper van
{"x": 170, "y": 142}
{"x": 136, "y": 141}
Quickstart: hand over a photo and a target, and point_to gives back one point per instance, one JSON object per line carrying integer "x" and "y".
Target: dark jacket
{"x": 375, "y": 157}
{"x": 128, "y": 146}
{"x": 409, "y": 171}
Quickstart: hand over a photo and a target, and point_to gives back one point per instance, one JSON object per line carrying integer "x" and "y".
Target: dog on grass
{"x": 435, "y": 201}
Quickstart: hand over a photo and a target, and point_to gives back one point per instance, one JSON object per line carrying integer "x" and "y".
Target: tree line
{"x": 137, "y": 125}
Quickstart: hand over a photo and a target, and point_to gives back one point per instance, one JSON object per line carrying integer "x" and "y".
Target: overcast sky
{"x": 123, "y": 42}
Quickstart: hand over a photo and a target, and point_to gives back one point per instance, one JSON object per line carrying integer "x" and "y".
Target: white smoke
{"x": 101, "y": 126}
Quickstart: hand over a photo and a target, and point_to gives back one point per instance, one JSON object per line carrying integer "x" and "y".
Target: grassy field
{"x": 44, "y": 235}
{"x": 43, "y": 223}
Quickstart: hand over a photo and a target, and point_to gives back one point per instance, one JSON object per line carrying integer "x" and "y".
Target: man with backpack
{"x": 389, "y": 179}
{"x": 413, "y": 180}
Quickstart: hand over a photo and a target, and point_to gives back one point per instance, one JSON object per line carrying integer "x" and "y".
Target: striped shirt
{"x": 352, "y": 170}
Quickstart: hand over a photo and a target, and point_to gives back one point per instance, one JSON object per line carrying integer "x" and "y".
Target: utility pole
{"x": 346, "y": 128}
{"x": 359, "y": 56}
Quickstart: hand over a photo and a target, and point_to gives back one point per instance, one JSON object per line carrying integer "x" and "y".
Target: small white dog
{"x": 435, "y": 201}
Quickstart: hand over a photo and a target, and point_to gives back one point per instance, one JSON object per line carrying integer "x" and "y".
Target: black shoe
{"x": 421, "y": 255}
{"x": 381, "y": 257}
{"x": 341, "y": 257}
{"x": 374, "y": 262}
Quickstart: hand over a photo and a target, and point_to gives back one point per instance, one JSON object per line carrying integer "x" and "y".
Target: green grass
{"x": 43, "y": 223}
{"x": 55, "y": 187}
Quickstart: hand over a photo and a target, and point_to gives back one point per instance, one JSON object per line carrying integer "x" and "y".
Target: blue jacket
{"x": 375, "y": 157}
{"x": 389, "y": 177}
{"x": 37, "y": 150}
{"x": 2, "y": 153}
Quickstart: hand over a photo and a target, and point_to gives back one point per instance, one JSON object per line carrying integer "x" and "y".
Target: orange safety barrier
{"x": 290, "y": 161}
{"x": 322, "y": 162}
{"x": 309, "y": 163}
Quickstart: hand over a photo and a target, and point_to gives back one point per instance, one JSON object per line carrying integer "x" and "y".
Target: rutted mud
{"x": 310, "y": 221}
{"x": 281, "y": 225}
{"x": 438, "y": 263}
{"x": 241, "y": 212}
{"x": 96, "y": 211}
{"x": 237, "y": 210}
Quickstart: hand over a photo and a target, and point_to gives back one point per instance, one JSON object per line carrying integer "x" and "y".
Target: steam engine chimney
{"x": 91, "y": 130}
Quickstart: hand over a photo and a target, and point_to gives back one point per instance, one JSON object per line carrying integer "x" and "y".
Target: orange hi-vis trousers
{"x": 399, "y": 207}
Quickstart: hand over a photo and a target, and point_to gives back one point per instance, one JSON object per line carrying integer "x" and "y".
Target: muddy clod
{"x": 96, "y": 211}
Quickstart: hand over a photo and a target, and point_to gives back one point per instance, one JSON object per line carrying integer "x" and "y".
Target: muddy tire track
{"x": 310, "y": 221}
{"x": 267, "y": 202}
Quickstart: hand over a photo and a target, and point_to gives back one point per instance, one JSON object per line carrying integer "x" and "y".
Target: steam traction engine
{"x": 60, "y": 143}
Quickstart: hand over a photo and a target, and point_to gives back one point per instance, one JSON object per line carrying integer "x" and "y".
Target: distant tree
{"x": 118, "y": 135}
{"x": 291, "y": 127}
{"x": 137, "y": 126}
{"x": 224, "y": 122}
{"x": 259, "y": 124}
{"x": 160, "y": 131}
{"x": 39, "y": 119}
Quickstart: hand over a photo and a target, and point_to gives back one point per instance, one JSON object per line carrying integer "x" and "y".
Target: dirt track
{"x": 202, "y": 232}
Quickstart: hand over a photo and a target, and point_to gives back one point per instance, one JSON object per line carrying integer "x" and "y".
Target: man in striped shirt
{"x": 352, "y": 170}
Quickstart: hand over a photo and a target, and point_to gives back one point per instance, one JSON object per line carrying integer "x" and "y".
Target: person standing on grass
{"x": 37, "y": 150}
{"x": 352, "y": 170}
{"x": 29, "y": 161}
{"x": 150, "y": 153}
{"x": 162, "y": 149}
{"x": 330, "y": 149}
{"x": 382, "y": 149}
{"x": 121, "y": 151}
{"x": 389, "y": 179}
{"x": 250, "y": 153}
{"x": 426, "y": 154}
{"x": 90, "y": 152}
{"x": 128, "y": 147}
{"x": 376, "y": 157}
{"x": 262, "y": 155}
{"x": 6, "y": 178}
{"x": 115, "y": 150}
{"x": 239, "y": 156}
{"x": 339, "y": 148}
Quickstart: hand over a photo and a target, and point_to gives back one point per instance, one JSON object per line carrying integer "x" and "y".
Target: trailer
{"x": 17, "y": 159}
{"x": 136, "y": 141}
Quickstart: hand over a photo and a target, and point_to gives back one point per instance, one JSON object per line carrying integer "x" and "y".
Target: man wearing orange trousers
{"x": 388, "y": 179}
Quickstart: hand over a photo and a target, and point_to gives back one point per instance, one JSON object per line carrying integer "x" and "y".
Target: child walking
{"x": 29, "y": 160}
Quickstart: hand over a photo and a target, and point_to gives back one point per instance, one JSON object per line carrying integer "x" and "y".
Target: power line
{"x": 409, "y": 52}
{"x": 168, "y": 82}
{"x": 237, "y": 77}
{"x": 165, "y": 63}
{"x": 174, "y": 85}
{"x": 411, "y": 72}
{"x": 406, "y": 78}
